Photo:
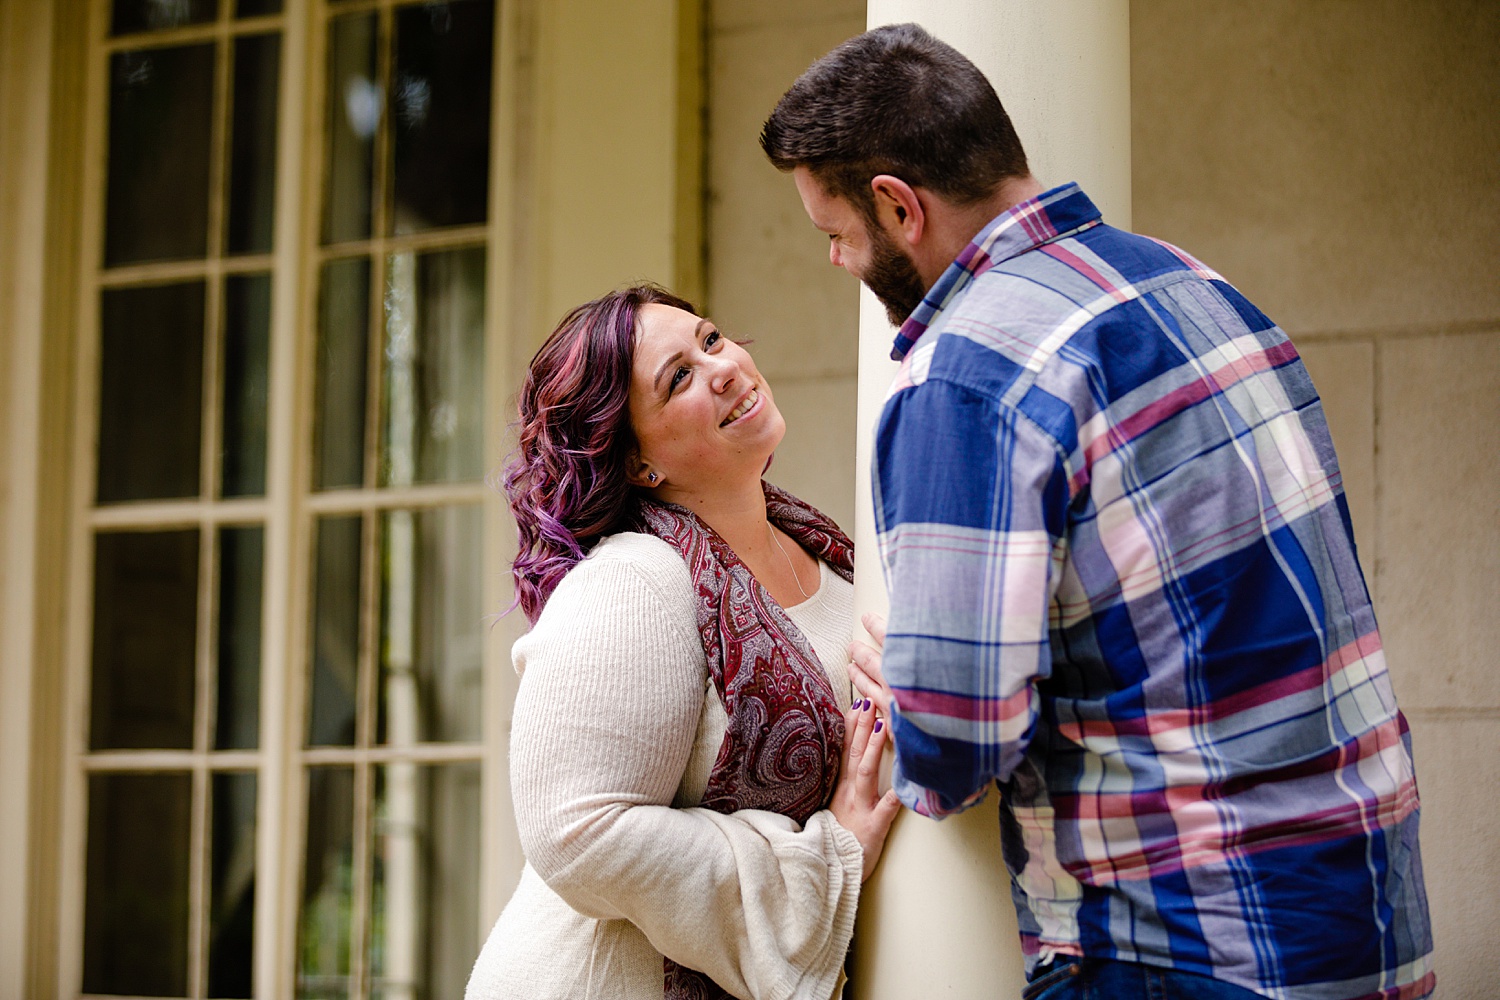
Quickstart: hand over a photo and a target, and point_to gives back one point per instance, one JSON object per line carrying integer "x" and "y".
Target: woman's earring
{"x": 651, "y": 477}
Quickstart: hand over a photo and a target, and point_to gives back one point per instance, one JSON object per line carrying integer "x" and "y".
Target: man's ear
{"x": 898, "y": 208}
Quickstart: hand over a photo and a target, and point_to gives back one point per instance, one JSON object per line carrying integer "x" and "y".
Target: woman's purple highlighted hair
{"x": 567, "y": 483}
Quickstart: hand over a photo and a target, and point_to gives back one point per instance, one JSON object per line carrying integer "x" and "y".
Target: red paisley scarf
{"x": 785, "y": 736}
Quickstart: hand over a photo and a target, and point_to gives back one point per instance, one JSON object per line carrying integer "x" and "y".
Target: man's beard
{"x": 892, "y": 277}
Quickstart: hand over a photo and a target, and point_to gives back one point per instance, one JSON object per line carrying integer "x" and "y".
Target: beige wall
{"x": 605, "y": 195}
{"x": 768, "y": 273}
{"x": 1340, "y": 162}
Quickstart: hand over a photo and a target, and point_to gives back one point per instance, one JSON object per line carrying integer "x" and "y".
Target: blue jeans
{"x": 1105, "y": 979}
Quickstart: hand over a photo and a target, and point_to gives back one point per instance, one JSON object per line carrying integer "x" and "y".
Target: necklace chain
{"x": 772, "y": 533}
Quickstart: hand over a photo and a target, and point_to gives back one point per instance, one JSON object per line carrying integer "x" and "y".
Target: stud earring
{"x": 651, "y": 478}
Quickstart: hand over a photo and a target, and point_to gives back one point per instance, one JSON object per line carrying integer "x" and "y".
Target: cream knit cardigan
{"x": 616, "y": 727}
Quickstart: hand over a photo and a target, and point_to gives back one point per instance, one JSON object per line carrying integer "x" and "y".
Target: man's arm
{"x": 971, "y": 499}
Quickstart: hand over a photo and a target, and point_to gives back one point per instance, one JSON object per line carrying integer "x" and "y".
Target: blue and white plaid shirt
{"x": 1123, "y": 584}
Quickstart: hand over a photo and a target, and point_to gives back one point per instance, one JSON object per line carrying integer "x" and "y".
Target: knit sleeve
{"x": 609, "y": 703}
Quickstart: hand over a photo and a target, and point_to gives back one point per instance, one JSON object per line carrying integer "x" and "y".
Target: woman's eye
{"x": 711, "y": 339}
{"x": 677, "y": 377}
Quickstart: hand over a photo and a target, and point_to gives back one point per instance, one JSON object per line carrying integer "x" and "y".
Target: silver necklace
{"x": 788, "y": 559}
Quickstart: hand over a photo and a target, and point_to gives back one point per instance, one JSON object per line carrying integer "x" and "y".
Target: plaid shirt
{"x": 1123, "y": 585}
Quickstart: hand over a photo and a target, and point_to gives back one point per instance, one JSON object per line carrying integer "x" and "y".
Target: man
{"x": 1122, "y": 576}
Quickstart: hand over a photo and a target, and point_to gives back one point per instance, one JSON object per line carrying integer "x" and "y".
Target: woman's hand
{"x": 864, "y": 666}
{"x": 857, "y": 803}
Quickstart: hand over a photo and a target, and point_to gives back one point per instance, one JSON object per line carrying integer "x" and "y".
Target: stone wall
{"x": 1340, "y": 163}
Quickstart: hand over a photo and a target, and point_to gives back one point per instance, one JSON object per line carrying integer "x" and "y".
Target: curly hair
{"x": 566, "y": 483}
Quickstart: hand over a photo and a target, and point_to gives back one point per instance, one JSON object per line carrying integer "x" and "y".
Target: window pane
{"x": 154, "y": 15}
{"x": 343, "y": 365}
{"x": 424, "y": 928}
{"x": 323, "y": 946}
{"x": 441, "y": 101}
{"x": 145, "y": 640}
{"x": 241, "y": 564}
{"x": 434, "y": 377}
{"x": 160, "y": 110}
{"x": 247, "y": 349}
{"x": 150, "y": 392}
{"x": 355, "y": 104}
{"x": 431, "y": 630}
{"x": 255, "y": 8}
{"x": 252, "y": 155}
{"x": 135, "y": 923}
{"x": 335, "y": 653}
{"x": 231, "y": 901}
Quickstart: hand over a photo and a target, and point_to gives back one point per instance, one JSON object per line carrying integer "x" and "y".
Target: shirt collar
{"x": 1062, "y": 211}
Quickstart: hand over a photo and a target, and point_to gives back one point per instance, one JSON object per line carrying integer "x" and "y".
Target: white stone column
{"x": 936, "y": 919}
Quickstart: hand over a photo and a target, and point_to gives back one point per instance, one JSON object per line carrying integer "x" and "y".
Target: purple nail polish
{"x": 867, "y": 705}
{"x": 878, "y": 724}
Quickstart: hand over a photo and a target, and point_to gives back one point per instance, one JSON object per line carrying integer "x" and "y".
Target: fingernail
{"x": 867, "y": 705}
{"x": 878, "y": 724}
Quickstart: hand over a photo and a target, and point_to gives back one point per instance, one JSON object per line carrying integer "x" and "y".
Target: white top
{"x": 616, "y": 727}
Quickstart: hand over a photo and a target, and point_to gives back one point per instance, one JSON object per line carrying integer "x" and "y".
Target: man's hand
{"x": 864, "y": 665}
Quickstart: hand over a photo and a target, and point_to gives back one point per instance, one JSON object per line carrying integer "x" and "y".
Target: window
{"x": 284, "y": 641}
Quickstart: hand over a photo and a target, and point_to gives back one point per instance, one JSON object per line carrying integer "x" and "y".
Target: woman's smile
{"x": 744, "y": 407}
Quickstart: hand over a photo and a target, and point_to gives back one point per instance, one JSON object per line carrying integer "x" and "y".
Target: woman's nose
{"x": 833, "y": 254}
{"x": 725, "y": 372}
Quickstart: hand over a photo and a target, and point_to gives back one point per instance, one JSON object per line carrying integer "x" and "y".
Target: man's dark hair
{"x": 895, "y": 100}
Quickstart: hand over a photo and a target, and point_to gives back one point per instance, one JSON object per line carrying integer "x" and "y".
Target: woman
{"x": 695, "y": 822}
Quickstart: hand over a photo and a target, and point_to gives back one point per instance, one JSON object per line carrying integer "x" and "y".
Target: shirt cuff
{"x": 924, "y": 800}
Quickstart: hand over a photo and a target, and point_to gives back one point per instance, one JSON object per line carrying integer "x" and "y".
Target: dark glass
{"x": 324, "y": 923}
{"x": 252, "y": 148}
{"x": 241, "y": 572}
{"x": 231, "y": 892}
{"x": 135, "y": 921}
{"x": 431, "y": 628}
{"x": 440, "y": 103}
{"x": 433, "y": 406}
{"x": 335, "y": 632}
{"x": 256, "y": 8}
{"x": 342, "y": 374}
{"x": 424, "y": 897}
{"x": 355, "y": 104}
{"x": 145, "y": 640}
{"x": 160, "y": 117}
{"x": 247, "y": 359}
{"x": 155, "y": 15}
{"x": 150, "y": 392}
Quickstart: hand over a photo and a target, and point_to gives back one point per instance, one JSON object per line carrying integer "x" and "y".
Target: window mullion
{"x": 281, "y": 796}
{"x": 198, "y": 881}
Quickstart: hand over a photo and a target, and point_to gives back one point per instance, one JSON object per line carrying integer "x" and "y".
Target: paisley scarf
{"x": 785, "y": 735}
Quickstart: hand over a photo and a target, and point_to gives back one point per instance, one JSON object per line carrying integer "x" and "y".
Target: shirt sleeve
{"x": 605, "y": 720}
{"x": 971, "y": 500}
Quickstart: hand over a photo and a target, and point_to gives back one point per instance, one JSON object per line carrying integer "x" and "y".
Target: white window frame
{"x": 289, "y": 507}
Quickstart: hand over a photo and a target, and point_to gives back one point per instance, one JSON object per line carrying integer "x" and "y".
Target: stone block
{"x": 1458, "y": 770}
{"x": 1438, "y": 432}
{"x": 736, "y": 15}
{"x": 816, "y": 458}
{"x": 1338, "y": 162}
{"x": 768, "y": 271}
